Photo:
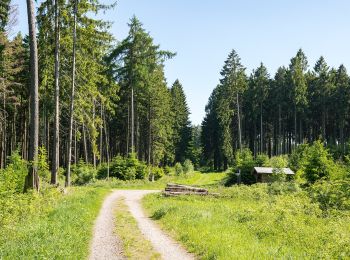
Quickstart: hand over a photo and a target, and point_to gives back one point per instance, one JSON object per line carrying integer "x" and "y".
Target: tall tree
{"x": 32, "y": 180}
{"x": 298, "y": 94}
{"x": 260, "y": 84}
{"x": 56, "y": 142}
{"x": 233, "y": 83}
{"x": 72, "y": 95}
{"x": 181, "y": 128}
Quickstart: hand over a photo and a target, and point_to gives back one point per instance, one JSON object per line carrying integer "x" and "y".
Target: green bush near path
{"x": 251, "y": 222}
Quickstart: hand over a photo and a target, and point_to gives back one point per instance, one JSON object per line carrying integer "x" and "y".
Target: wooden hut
{"x": 263, "y": 174}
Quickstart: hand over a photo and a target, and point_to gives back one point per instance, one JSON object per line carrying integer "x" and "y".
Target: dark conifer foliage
{"x": 298, "y": 105}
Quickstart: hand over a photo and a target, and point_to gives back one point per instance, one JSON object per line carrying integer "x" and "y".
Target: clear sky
{"x": 203, "y": 32}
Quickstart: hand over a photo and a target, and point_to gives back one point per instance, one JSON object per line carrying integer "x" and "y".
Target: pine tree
{"x": 181, "y": 128}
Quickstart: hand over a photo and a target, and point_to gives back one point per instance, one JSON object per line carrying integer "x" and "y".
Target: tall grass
{"x": 53, "y": 226}
{"x": 253, "y": 223}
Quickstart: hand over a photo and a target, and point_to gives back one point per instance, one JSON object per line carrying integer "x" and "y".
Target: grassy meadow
{"x": 195, "y": 178}
{"x": 253, "y": 222}
{"x": 51, "y": 225}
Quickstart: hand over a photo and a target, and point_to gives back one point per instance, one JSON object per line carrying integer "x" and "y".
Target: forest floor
{"x": 106, "y": 243}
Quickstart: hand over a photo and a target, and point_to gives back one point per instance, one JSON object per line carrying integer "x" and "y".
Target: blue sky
{"x": 203, "y": 32}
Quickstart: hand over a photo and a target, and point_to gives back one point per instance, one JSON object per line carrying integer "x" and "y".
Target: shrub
{"x": 13, "y": 176}
{"x": 262, "y": 160}
{"x": 83, "y": 173}
{"x": 188, "y": 166}
{"x": 157, "y": 173}
{"x": 178, "y": 169}
{"x": 43, "y": 166}
{"x": 332, "y": 194}
{"x": 313, "y": 162}
{"x": 125, "y": 168}
{"x": 168, "y": 170}
{"x": 244, "y": 162}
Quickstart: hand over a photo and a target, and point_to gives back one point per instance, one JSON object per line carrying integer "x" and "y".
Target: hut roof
{"x": 269, "y": 170}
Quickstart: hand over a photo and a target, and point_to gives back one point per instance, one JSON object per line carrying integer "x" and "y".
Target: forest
{"x": 87, "y": 119}
{"x": 274, "y": 115}
{"x": 94, "y": 97}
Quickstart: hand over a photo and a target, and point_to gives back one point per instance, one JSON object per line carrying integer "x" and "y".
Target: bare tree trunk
{"x": 71, "y": 109}
{"x": 295, "y": 126}
{"x": 132, "y": 121}
{"x": 32, "y": 180}
{"x": 128, "y": 132}
{"x": 342, "y": 143}
{"x": 75, "y": 143}
{"x": 3, "y": 143}
{"x": 101, "y": 133}
{"x": 261, "y": 130}
{"x": 56, "y": 138}
{"x": 107, "y": 144}
{"x": 279, "y": 149}
{"x": 85, "y": 145}
{"x": 239, "y": 124}
{"x": 94, "y": 140}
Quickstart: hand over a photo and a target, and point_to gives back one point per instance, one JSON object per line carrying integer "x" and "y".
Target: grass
{"x": 135, "y": 246}
{"x": 59, "y": 227}
{"x": 248, "y": 222}
{"x": 195, "y": 178}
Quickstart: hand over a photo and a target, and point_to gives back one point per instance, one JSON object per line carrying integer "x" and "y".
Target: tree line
{"x": 71, "y": 88}
{"x": 274, "y": 114}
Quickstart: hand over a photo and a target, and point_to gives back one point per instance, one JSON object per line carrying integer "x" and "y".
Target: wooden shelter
{"x": 263, "y": 174}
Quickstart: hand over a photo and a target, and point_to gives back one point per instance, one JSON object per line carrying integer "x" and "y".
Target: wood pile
{"x": 177, "y": 189}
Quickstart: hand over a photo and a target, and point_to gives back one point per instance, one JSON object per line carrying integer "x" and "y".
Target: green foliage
{"x": 157, "y": 173}
{"x": 83, "y": 173}
{"x": 178, "y": 169}
{"x": 313, "y": 162}
{"x": 244, "y": 162}
{"x": 262, "y": 160}
{"x": 129, "y": 168}
{"x": 332, "y": 194}
{"x": 43, "y": 165}
{"x": 182, "y": 134}
{"x": 188, "y": 167}
{"x": 168, "y": 170}
{"x": 13, "y": 176}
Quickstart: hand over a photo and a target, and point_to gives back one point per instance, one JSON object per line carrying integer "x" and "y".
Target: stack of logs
{"x": 177, "y": 189}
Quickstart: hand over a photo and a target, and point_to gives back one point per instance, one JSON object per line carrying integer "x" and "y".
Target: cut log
{"x": 178, "y": 189}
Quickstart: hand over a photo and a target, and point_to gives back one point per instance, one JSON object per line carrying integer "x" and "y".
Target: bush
{"x": 83, "y": 173}
{"x": 313, "y": 163}
{"x": 188, "y": 166}
{"x": 168, "y": 170}
{"x": 13, "y": 176}
{"x": 43, "y": 166}
{"x": 332, "y": 194}
{"x": 244, "y": 162}
{"x": 125, "y": 168}
{"x": 178, "y": 169}
{"x": 157, "y": 173}
{"x": 262, "y": 160}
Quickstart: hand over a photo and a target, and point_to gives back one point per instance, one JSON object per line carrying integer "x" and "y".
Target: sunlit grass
{"x": 195, "y": 178}
{"x": 252, "y": 224}
{"x": 63, "y": 231}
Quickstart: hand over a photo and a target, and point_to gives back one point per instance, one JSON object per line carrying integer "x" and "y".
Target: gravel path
{"x": 105, "y": 244}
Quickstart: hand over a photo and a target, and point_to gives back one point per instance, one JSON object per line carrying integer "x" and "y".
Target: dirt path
{"x": 105, "y": 244}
